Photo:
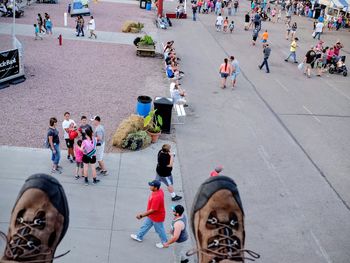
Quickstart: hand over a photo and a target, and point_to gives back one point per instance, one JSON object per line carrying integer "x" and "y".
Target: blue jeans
{"x": 265, "y": 63}
{"x": 158, "y": 227}
{"x": 194, "y": 16}
{"x": 293, "y": 55}
{"x": 55, "y": 157}
{"x": 317, "y": 34}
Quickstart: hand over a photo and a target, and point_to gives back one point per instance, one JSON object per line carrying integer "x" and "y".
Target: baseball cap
{"x": 96, "y": 118}
{"x": 218, "y": 169}
{"x": 154, "y": 183}
{"x": 178, "y": 209}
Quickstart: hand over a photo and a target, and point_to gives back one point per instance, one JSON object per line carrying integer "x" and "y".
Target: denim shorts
{"x": 224, "y": 75}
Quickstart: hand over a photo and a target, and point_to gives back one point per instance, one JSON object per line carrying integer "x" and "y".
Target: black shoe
{"x": 104, "y": 173}
{"x": 98, "y": 168}
{"x": 68, "y": 157}
{"x": 267, "y": 71}
{"x": 259, "y": 67}
{"x": 86, "y": 181}
{"x": 95, "y": 181}
{"x": 76, "y": 177}
{"x": 296, "y": 62}
{"x": 39, "y": 221}
{"x": 176, "y": 198}
{"x": 185, "y": 261}
{"x": 286, "y": 60}
{"x": 71, "y": 161}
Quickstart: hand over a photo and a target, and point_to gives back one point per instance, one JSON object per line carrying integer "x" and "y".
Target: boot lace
{"x": 25, "y": 247}
{"x": 225, "y": 245}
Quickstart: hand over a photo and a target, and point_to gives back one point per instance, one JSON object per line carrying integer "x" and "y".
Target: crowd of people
{"x": 320, "y": 56}
{"x": 85, "y": 146}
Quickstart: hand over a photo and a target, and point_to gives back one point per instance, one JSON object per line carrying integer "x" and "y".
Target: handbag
{"x": 314, "y": 34}
{"x": 301, "y": 66}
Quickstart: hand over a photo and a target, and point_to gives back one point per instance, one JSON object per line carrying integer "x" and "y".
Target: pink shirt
{"x": 78, "y": 154}
{"x": 88, "y": 146}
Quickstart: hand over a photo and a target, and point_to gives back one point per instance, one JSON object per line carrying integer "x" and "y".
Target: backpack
{"x": 46, "y": 143}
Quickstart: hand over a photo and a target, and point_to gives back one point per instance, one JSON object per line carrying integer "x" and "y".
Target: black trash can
{"x": 164, "y": 107}
{"x": 143, "y": 4}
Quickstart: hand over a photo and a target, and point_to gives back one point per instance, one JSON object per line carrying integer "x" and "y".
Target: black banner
{"x": 9, "y": 63}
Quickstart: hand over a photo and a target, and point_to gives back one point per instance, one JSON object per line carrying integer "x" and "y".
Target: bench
{"x": 180, "y": 112}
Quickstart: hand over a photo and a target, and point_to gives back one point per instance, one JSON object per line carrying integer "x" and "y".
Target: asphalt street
{"x": 282, "y": 137}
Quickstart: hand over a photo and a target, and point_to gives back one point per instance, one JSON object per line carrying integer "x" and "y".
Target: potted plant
{"x": 153, "y": 124}
{"x": 147, "y": 40}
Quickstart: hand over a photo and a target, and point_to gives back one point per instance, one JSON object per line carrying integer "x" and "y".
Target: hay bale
{"x": 128, "y": 25}
{"x": 133, "y": 123}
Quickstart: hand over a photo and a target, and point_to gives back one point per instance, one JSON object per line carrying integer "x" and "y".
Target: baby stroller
{"x": 337, "y": 65}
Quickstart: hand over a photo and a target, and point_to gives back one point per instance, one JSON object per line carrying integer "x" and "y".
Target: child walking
{"x": 36, "y": 30}
{"x": 225, "y": 24}
{"x": 232, "y": 26}
{"x": 78, "y": 159}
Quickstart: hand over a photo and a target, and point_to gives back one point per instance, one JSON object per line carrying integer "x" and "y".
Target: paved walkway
{"x": 102, "y": 216}
{"x": 70, "y": 33}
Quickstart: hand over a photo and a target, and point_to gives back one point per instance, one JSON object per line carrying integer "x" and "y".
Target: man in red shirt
{"x": 155, "y": 215}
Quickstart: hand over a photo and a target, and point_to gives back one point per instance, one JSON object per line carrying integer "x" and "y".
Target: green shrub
{"x": 136, "y": 141}
{"x": 147, "y": 40}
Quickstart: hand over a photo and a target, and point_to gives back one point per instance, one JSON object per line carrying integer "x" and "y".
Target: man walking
{"x": 164, "y": 169}
{"x": 179, "y": 234}
{"x": 100, "y": 145}
{"x": 194, "y": 10}
{"x": 92, "y": 27}
{"x": 293, "y": 48}
{"x": 267, "y": 52}
{"x": 318, "y": 30}
{"x": 70, "y": 143}
{"x": 309, "y": 61}
{"x": 235, "y": 70}
{"x": 155, "y": 215}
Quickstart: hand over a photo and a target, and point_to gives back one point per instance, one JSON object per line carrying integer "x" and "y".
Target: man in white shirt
{"x": 92, "y": 27}
{"x": 218, "y": 23}
{"x": 318, "y": 30}
{"x": 70, "y": 143}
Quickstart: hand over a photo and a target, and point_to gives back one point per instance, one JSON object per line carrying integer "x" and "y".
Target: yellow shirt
{"x": 293, "y": 46}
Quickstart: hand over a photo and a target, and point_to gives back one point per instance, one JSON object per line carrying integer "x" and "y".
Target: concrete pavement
{"x": 70, "y": 33}
{"x": 282, "y": 137}
{"x": 102, "y": 216}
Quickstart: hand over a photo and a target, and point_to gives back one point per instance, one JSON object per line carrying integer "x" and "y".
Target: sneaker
{"x": 104, "y": 173}
{"x": 176, "y": 198}
{"x": 56, "y": 171}
{"x": 218, "y": 222}
{"x": 76, "y": 177}
{"x": 71, "y": 161}
{"x": 68, "y": 157}
{"x": 185, "y": 261}
{"x": 159, "y": 245}
{"x": 135, "y": 237}
{"x": 39, "y": 221}
{"x": 59, "y": 167}
{"x": 286, "y": 60}
{"x": 86, "y": 181}
{"x": 98, "y": 168}
{"x": 95, "y": 181}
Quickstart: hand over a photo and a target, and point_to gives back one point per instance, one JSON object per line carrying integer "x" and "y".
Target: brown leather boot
{"x": 39, "y": 221}
{"x": 218, "y": 222}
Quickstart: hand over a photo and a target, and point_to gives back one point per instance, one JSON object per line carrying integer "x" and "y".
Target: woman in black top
{"x": 54, "y": 144}
{"x": 164, "y": 168}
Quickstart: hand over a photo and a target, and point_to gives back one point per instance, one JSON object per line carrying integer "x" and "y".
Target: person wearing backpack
{"x": 53, "y": 142}
{"x": 89, "y": 157}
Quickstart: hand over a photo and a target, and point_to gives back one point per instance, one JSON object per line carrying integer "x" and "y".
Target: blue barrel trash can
{"x": 149, "y": 6}
{"x": 144, "y": 104}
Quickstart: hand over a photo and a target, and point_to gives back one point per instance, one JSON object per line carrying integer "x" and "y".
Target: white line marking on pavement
{"x": 309, "y": 111}
{"x": 323, "y": 251}
{"x": 338, "y": 90}
{"x": 283, "y": 86}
